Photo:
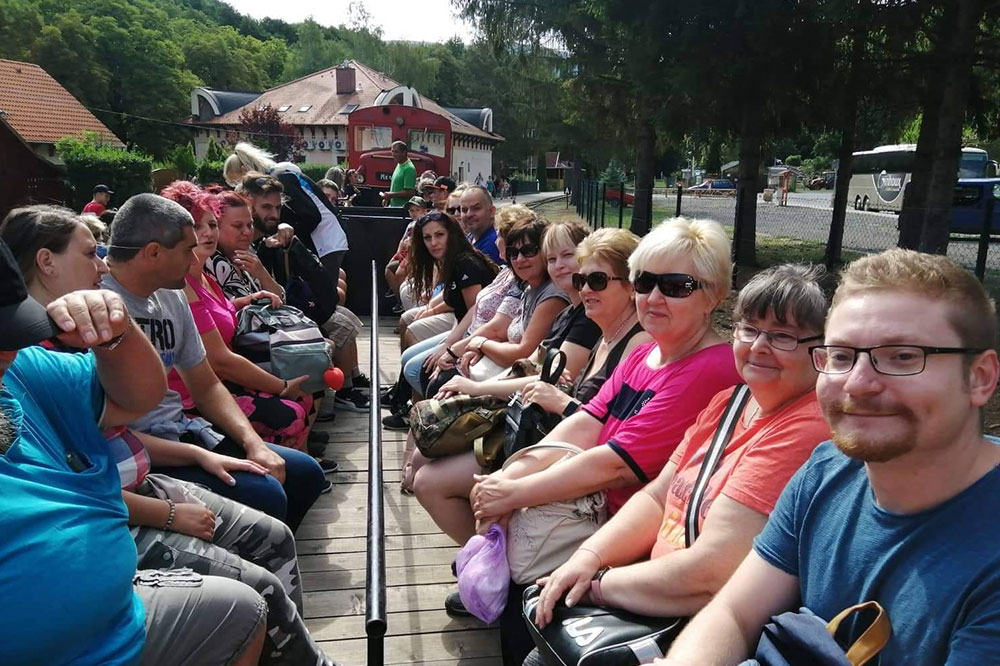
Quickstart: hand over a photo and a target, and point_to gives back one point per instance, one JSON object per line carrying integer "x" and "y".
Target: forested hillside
{"x": 134, "y": 63}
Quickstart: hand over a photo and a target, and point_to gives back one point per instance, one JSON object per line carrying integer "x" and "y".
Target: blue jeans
{"x": 413, "y": 359}
{"x": 303, "y": 481}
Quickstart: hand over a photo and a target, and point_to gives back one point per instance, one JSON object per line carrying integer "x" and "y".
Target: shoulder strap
{"x": 727, "y": 424}
{"x": 615, "y": 355}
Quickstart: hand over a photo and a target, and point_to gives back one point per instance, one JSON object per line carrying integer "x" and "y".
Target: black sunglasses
{"x": 528, "y": 250}
{"x": 453, "y": 211}
{"x": 597, "y": 281}
{"x": 433, "y": 216}
{"x": 672, "y": 285}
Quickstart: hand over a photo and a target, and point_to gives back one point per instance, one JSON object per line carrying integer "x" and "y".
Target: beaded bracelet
{"x": 170, "y": 516}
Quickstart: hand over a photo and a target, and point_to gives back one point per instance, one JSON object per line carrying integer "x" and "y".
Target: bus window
{"x": 372, "y": 138}
{"x": 428, "y": 142}
{"x": 973, "y": 165}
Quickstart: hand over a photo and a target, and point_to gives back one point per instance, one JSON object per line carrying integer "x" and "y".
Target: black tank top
{"x": 585, "y": 389}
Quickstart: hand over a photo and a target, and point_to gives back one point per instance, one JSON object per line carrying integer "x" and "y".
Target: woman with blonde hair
{"x": 307, "y": 208}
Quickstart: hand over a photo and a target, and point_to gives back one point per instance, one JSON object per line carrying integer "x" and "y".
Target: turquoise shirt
{"x": 936, "y": 572}
{"x": 67, "y": 556}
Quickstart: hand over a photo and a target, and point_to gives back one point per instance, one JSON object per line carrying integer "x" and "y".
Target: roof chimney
{"x": 346, "y": 78}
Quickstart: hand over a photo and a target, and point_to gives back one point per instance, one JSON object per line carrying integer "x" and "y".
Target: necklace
{"x": 610, "y": 342}
{"x": 750, "y": 417}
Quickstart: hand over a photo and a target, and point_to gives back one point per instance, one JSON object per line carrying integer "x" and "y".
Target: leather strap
{"x": 872, "y": 640}
{"x": 713, "y": 456}
{"x": 555, "y": 363}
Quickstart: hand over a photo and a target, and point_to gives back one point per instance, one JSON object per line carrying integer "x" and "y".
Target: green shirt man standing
{"x": 404, "y": 178}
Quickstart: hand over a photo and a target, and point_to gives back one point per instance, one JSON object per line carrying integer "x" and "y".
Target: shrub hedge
{"x": 90, "y": 162}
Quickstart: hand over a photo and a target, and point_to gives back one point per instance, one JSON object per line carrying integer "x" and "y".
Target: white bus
{"x": 879, "y": 176}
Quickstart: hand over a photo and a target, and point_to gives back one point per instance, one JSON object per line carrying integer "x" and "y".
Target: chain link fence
{"x": 799, "y": 229}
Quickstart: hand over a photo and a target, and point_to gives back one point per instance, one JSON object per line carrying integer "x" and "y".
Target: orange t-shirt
{"x": 756, "y": 465}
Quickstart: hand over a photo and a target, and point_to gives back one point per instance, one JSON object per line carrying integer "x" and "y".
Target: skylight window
{"x": 303, "y": 109}
{"x": 347, "y": 108}
{"x": 282, "y": 109}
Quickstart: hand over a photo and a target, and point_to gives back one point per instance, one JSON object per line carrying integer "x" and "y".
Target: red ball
{"x": 334, "y": 378}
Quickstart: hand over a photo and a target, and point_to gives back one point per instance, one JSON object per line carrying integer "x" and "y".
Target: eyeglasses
{"x": 453, "y": 211}
{"x": 528, "y": 250}
{"x": 597, "y": 281}
{"x": 672, "y": 285}
{"x": 896, "y": 360}
{"x": 746, "y": 334}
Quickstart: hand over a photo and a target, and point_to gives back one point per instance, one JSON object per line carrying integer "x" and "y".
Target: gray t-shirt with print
{"x": 531, "y": 298}
{"x": 165, "y": 318}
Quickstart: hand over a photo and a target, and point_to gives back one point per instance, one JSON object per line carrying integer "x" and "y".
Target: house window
{"x": 282, "y": 109}
{"x": 303, "y": 109}
{"x": 347, "y": 108}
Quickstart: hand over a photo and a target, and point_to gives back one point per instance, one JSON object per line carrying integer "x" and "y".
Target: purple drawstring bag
{"x": 483, "y": 574}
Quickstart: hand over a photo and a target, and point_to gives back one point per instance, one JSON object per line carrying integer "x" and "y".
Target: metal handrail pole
{"x": 375, "y": 612}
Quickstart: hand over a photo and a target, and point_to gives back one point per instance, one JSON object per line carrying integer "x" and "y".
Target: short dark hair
{"x": 31, "y": 228}
{"x": 797, "y": 291}
{"x": 145, "y": 219}
{"x": 529, "y": 230}
{"x": 259, "y": 185}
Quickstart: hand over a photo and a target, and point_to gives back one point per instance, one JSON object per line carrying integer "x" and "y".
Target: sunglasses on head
{"x": 433, "y": 216}
{"x": 528, "y": 250}
{"x": 672, "y": 285}
{"x": 597, "y": 281}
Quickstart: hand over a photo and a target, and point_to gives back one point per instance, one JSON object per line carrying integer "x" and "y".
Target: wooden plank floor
{"x": 332, "y": 557}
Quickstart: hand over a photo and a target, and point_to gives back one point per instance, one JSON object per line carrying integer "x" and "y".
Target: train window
{"x": 372, "y": 138}
{"x": 428, "y": 142}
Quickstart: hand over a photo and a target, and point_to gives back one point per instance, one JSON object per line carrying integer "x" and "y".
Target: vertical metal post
{"x": 621, "y": 203}
{"x": 604, "y": 200}
{"x": 680, "y": 190}
{"x": 984, "y": 234}
{"x": 375, "y": 613}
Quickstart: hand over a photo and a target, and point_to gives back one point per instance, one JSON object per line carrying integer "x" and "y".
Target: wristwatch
{"x": 595, "y": 586}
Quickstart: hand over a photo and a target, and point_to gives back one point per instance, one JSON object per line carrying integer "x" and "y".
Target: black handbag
{"x": 526, "y": 425}
{"x": 588, "y": 635}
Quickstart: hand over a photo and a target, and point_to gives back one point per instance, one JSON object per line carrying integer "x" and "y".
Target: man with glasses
{"x": 896, "y": 508}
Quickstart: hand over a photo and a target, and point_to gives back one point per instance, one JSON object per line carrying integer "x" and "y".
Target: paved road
{"x": 808, "y": 216}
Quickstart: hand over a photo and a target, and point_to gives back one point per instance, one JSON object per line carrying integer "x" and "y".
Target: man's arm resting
{"x": 727, "y": 630}
{"x": 132, "y": 376}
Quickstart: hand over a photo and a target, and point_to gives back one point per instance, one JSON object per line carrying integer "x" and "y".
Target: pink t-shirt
{"x": 211, "y": 310}
{"x": 646, "y": 411}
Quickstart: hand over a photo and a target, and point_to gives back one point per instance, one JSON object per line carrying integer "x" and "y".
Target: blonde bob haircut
{"x": 566, "y": 233}
{"x": 971, "y": 312}
{"x": 246, "y": 157}
{"x": 508, "y": 216}
{"x": 703, "y": 242}
{"x": 611, "y": 246}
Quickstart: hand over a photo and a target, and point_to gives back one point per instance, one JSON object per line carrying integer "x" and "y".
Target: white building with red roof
{"x": 318, "y": 106}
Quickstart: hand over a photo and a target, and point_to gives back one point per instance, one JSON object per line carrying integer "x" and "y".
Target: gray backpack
{"x": 284, "y": 342}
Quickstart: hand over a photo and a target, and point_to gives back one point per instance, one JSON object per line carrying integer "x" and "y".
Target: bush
{"x": 316, "y": 170}
{"x": 90, "y": 162}
{"x": 209, "y": 172}
{"x": 613, "y": 173}
{"x": 182, "y": 159}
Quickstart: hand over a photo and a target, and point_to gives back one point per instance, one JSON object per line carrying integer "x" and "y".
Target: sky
{"x": 426, "y": 21}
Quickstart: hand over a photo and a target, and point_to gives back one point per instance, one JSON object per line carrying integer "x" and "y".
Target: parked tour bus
{"x": 879, "y": 176}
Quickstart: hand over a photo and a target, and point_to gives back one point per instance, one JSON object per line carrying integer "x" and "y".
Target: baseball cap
{"x": 419, "y": 201}
{"x": 25, "y": 320}
{"x": 102, "y": 188}
{"x": 446, "y": 182}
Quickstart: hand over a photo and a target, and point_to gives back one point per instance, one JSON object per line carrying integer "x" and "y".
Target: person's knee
{"x": 263, "y": 493}
{"x": 302, "y": 472}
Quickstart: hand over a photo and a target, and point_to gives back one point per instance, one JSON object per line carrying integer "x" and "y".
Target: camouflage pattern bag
{"x": 448, "y": 427}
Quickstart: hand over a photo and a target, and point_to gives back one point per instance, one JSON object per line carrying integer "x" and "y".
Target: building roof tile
{"x": 40, "y": 110}
{"x": 318, "y": 92}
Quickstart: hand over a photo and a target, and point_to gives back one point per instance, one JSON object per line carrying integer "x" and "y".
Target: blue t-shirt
{"x": 937, "y": 572}
{"x": 67, "y": 556}
{"x": 488, "y": 245}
